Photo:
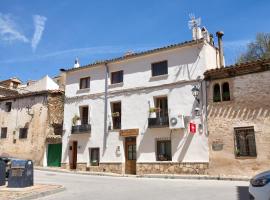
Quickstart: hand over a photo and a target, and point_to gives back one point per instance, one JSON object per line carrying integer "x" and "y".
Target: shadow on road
{"x": 242, "y": 193}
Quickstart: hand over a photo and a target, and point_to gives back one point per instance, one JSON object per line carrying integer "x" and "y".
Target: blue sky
{"x": 40, "y": 37}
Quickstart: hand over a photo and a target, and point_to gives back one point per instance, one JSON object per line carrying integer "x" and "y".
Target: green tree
{"x": 259, "y": 49}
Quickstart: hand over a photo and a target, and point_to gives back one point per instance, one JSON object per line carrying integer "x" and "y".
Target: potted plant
{"x": 153, "y": 110}
{"x": 94, "y": 163}
{"x": 76, "y": 120}
{"x": 115, "y": 114}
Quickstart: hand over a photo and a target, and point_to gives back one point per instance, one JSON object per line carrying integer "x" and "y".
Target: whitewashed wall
{"x": 185, "y": 64}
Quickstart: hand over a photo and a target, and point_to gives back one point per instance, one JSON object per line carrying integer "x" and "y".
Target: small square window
{"x": 94, "y": 156}
{"x": 164, "y": 150}
{"x": 85, "y": 83}
{"x": 8, "y": 106}
{"x": 245, "y": 143}
{"x": 3, "y": 132}
{"x": 117, "y": 77}
{"x": 160, "y": 68}
{"x": 23, "y": 133}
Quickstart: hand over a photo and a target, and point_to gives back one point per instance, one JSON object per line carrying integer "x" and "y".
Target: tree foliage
{"x": 259, "y": 49}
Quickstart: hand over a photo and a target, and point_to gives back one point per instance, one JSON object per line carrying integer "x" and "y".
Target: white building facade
{"x": 137, "y": 114}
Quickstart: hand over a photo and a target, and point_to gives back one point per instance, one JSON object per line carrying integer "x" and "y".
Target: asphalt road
{"x": 80, "y": 187}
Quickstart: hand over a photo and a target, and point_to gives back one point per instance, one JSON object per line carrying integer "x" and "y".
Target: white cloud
{"x": 9, "y": 31}
{"x": 80, "y": 52}
{"x": 39, "y": 23}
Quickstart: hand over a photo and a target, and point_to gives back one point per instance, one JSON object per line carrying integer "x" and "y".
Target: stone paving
{"x": 36, "y": 191}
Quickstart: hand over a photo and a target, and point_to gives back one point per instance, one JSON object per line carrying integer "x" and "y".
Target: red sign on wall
{"x": 192, "y": 127}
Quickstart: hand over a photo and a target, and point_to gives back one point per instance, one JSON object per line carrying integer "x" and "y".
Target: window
{"x": 85, "y": 83}
{"x": 245, "y": 144}
{"x": 159, "y": 68}
{"x": 164, "y": 150}
{"x": 3, "y": 132}
{"x": 94, "y": 156}
{"x": 84, "y": 114}
{"x": 117, "y": 77}
{"x": 23, "y": 133}
{"x": 216, "y": 93}
{"x": 225, "y": 92}
{"x": 161, "y": 103}
{"x": 8, "y": 106}
{"x": 116, "y": 115}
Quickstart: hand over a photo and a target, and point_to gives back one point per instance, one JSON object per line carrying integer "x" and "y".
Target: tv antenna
{"x": 194, "y": 24}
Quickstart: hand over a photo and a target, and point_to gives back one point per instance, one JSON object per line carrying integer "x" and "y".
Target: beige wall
{"x": 249, "y": 106}
{"x": 39, "y": 121}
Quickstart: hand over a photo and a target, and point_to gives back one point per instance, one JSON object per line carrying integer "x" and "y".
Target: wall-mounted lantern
{"x": 195, "y": 92}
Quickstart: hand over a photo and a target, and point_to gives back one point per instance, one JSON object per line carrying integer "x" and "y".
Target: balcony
{"x": 158, "y": 122}
{"x": 79, "y": 129}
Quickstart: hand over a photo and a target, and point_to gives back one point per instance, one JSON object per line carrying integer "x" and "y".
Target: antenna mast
{"x": 194, "y": 24}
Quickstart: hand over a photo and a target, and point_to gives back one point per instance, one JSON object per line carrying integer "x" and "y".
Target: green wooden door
{"x": 54, "y": 155}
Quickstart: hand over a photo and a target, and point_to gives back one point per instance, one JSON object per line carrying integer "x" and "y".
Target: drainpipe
{"x": 220, "y": 47}
{"x": 105, "y": 106}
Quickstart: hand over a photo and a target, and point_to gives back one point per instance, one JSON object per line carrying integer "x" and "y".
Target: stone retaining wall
{"x": 172, "y": 168}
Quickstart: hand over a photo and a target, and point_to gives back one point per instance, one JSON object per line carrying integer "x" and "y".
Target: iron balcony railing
{"x": 84, "y": 128}
{"x": 158, "y": 122}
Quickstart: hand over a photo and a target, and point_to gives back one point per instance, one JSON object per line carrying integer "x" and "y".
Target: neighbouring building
{"x": 31, "y": 122}
{"x": 238, "y": 118}
{"x": 136, "y": 114}
{"x": 8, "y": 87}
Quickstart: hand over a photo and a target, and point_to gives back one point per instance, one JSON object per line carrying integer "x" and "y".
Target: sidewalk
{"x": 166, "y": 176}
{"x": 34, "y": 192}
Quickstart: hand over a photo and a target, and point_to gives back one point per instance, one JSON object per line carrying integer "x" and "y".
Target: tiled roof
{"x": 238, "y": 69}
{"x": 133, "y": 55}
{"x": 29, "y": 94}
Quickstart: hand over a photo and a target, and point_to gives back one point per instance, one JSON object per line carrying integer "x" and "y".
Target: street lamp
{"x": 195, "y": 92}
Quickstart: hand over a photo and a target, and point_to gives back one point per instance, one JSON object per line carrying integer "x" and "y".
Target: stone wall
{"x": 117, "y": 168}
{"x": 55, "y": 113}
{"x": 249, "y": 106}
{"x": 171, "y": 168}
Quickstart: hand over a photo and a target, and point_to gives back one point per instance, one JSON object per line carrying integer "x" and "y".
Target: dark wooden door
{"x": 73, "y": 163}
{"x": 131, "y": 157}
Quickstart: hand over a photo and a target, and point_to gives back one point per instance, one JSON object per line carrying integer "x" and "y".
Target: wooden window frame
{"x": 155, "y": 65}
{"x": 158, "y": 151}
{"x": 87, "y": 79}
{"x": 82, "y": 116}
{"x": 116, "y": 119}
{"x": 118, "y": 79}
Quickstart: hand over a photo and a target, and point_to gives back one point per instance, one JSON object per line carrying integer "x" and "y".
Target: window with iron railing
{"x": 164, "y": 150}
{"x": 245, "y": 143}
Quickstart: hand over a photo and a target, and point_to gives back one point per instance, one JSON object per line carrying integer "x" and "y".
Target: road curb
{"x": 42, "y": 194}
{"x": 162, "y": 176}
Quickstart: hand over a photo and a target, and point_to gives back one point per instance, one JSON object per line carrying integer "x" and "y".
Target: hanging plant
{"x": 75, "y": 119}
{"x": 152, "y": 110}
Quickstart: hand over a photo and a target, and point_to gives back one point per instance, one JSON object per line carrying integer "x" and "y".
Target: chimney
{"x": 128, "y": 53}
{"x": 76, "y": 64}
{"x": 205, "y": 34}
{"x": 220, "y": 47}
